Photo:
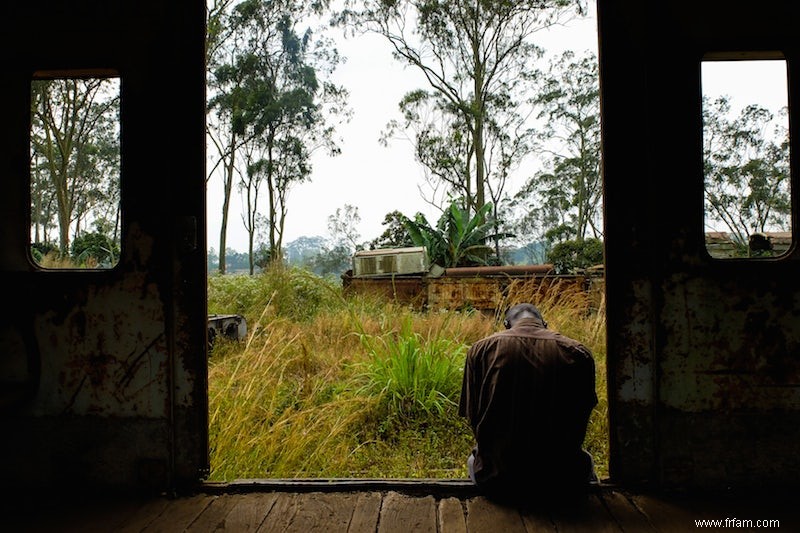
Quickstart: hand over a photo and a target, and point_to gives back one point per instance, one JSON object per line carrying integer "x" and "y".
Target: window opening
{"x": 75, "y": 170}
{"x": 747, "y": 191}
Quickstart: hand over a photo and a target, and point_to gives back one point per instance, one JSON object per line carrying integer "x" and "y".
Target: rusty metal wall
{"x": 486, "y": 289}
{"x": 103, "y": 373}
{"x": 703, "y": 355}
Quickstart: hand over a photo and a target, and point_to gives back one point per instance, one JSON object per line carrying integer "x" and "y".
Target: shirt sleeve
{"x": 467, "y": 388}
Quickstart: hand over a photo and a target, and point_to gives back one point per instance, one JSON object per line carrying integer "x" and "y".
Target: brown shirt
{"x": 528, "y": 393}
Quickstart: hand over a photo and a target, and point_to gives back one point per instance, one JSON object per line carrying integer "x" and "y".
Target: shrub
{"x": 95, "y": 249}
{"x": 413, "y": 374}
{"x": 279, "y": 291}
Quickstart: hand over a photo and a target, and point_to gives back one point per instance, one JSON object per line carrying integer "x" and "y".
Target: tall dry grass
{"x": 329, "y": 386}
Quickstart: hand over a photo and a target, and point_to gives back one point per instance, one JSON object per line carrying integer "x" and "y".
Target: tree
{"x": 458, "y": 239}
{"x": 227, "y": 79}
{"x": 468, "y": 129}
{"x": 564, "y": 200}
{"x": 335, "y": 260}
{"x": 342, "y": 226}
{"x": 344, "y": 236}
{"x": 395, "y": 235}
{"x": 567, "y": 257}
{"x": 272, "y": 101}
{"x": 746, "y": 165}
{"x": 74, "y": 156}
{"x": 212, "y": 260}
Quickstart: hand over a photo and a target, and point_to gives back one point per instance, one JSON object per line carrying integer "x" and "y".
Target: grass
{"x": 328, "y": 386}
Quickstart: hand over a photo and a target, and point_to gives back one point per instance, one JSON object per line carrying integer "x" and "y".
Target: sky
{"x": 374, "y": 178}
{"x": 379, "y": 179}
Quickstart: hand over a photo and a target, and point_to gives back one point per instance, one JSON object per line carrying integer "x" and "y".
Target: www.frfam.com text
{"x": 737, "y": 522}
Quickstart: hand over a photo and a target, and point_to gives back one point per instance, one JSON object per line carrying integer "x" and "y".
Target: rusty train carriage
{"x": 484, "y": 289}
{"x": 103, "y": 374}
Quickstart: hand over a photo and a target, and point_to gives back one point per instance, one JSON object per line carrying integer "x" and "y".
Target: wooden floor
{"x": 390, "y": 508}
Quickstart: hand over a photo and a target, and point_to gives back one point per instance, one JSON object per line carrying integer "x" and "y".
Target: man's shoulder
{"x": 506, "y": 336}
{"x": 533, "y": 334}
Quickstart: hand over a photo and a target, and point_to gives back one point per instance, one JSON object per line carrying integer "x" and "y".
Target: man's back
{"x": 528, "y": 393}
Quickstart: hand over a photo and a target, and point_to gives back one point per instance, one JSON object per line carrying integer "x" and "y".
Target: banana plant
{"x": 457, "y": 239}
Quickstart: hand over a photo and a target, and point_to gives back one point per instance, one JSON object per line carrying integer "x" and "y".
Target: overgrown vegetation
{"x": 329, "y": 385}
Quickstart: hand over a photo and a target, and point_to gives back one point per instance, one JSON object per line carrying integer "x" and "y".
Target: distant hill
{"x": 303, "y": 248}
{"x": 531, "y": 253}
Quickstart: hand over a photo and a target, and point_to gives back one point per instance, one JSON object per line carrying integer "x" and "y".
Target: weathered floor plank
{"x": 665, "y": 515}
{"x": 249, "y": 512}
{"x": 625, "y": 513}
{"x": 401, "y": 514}
{"x": 282, "y": 513}
{"x": 451, "y": 516}
{"x": 144, "y": 515}
{"x": 391, "y": 511}
{"x": 722, "y": 511}
{"x": 486, "y": 516}
{"x": 584, "y": 516}
{"x": 213, "y": 518}
{"x": 538, "y": 521}
{"x": 107, "y": 514}
{"x": 179, "y": 514}
{"x": 322, "y": 512}
{"x": 366, "y": 513}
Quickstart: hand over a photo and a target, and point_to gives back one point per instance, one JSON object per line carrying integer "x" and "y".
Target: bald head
{"x": 520, "y": 311}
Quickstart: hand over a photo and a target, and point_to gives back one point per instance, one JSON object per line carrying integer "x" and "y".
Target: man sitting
{"x": 528, "y": 393}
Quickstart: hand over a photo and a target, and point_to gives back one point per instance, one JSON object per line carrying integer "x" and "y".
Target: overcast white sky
{"x": 378, "y": 180}
{"x": 374, "y": 178}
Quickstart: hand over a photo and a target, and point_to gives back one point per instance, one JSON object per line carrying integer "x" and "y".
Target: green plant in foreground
{"x": 411, "y": 373}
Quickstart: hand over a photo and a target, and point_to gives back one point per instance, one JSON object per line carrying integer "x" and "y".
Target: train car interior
{"x": 103, "y": 372}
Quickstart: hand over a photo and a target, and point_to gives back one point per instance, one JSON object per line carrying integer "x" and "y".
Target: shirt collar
{"x": 529, "y": 321}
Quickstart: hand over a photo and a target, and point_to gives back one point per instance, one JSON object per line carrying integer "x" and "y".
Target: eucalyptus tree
{"x": 74, "y": 156}
{"x": 273, "y": 102}
{"x": 336, "y": 255}
{"x": 469, "y": 125}
{"x": 230, "y": 73}
{"x": 563, "y": 200}
{"x": 343, "y": 227}
{"x": 746, "y": 167}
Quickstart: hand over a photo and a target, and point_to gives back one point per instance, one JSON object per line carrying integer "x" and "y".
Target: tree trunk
{"x": 226, "y": 202}
{"x": 479, "y": 111}
{"x": 274, "y": 245}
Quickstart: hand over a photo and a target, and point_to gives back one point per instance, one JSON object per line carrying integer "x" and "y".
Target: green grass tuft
{"x": 411, "y": 373}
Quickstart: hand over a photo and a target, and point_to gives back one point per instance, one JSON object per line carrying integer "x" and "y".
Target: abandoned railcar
{"x": 103, "y": 373}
